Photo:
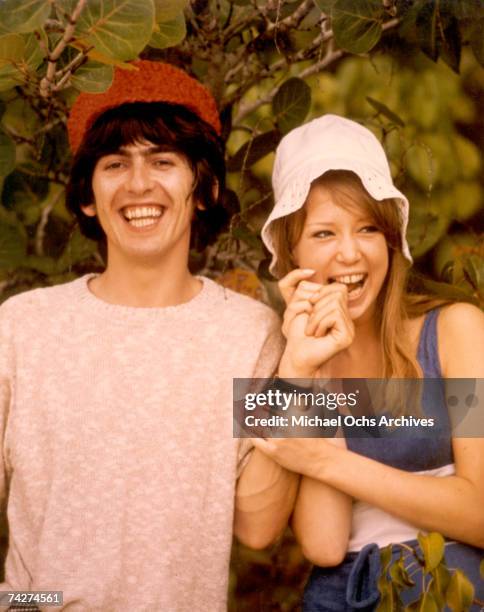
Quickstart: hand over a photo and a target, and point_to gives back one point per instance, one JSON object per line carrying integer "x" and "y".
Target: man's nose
{"x": 348, "y": 249}
{"x": 139, "y": 178}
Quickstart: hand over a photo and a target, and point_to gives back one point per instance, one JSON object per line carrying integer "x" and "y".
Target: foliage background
{"x": 410, "y": 70}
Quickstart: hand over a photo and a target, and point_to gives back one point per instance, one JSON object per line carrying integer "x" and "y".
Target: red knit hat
{"x": 151, "y": 82}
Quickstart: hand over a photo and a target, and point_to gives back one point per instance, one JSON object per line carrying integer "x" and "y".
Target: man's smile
{"x": 142, "y": 216}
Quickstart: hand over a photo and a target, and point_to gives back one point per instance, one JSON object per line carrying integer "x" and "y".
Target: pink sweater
{"x": 118, "y": 453}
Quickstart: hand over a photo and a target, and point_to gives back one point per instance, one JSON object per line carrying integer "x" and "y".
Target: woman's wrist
{"x": 288, "y": 369}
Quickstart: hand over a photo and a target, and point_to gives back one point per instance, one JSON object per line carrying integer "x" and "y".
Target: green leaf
{"x": 78, "y": 249}
{"x": 427, "y": 29}
{"x": 291, "y": 104}
{"x": 254, "y": 150}
{"x": 24, "y": 15}
{"x": 450, "y": 42}
{"x": 481, "y": 569}
{"x": 7, "y": 154}
{"x": 399, "y": 574}
{"x": 243, "y": 232}
{"x": 357, "y": 24}
{"x": 12, "y": 246}
{"x": 432, "y": 546}
{"x": 12, "y": 48}
{"x": 46, "y": 265}
{"x": 438, "y": 586}
{"x": 166, "y": 10}
{"x": 326, "y": 6}
{"x": 117, "y": 28}
{"x": 169, "y": 33}
{"x": 93, "y": 77}
{"x": 460, "y": 592}
{"x": 477, "y": 41}
{"x": 427, "y": 603}
{"x": 473, "y": 265}
{"x": 386, "y": 557}
{"x": 385, "y": 111}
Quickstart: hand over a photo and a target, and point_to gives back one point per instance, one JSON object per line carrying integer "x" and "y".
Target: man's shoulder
{"x": 37, "y": 299}
{"x": 247, "y": 310}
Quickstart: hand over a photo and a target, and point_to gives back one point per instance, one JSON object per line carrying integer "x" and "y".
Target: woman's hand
{"x": 316, "y": 323}
{"x": 301, "y": 455}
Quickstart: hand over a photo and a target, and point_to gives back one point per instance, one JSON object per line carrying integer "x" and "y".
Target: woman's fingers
{"x": 294, "y": 309}
{"x": 288, "y": 284}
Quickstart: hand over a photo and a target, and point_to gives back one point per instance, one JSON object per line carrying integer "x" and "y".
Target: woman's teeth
{"x": 142, "y": 216}
{"x": 354, "y": 282}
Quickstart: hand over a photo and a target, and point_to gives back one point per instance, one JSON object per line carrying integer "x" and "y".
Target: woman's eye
{"x": 323, "y": 234}
{"x": 369, "y": 229}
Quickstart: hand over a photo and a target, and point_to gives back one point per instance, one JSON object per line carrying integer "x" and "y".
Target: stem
{"x": 46, "y": 84}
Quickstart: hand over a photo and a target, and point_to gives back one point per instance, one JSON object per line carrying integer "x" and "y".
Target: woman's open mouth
{"x": 142, "y": 216}
{"x": 354, "y": 282}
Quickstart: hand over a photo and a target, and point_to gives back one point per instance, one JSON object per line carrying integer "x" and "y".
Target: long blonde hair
{"x": 397, "y": 304}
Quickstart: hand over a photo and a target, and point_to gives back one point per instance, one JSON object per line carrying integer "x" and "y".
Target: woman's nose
{"x": 348, "y": 250}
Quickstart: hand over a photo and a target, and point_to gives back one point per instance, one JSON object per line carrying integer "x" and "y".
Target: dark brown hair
{"x": 169, "y": 125}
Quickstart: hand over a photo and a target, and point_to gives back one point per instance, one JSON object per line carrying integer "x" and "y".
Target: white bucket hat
{"x": 329, "y": 143}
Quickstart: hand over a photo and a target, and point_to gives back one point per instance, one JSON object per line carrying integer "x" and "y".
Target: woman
{"x": 337, "y": 236}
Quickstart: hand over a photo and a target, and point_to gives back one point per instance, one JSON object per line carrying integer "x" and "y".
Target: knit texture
{"x": 148, "y": 82}
{"x": 118, "y": 452}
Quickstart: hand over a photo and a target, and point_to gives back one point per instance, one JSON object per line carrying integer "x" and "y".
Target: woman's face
{"x": 343, "y": 245}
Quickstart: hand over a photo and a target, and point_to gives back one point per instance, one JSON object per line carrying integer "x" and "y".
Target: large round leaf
{"x": 24, "y": 15}
{"x": 166, "y": 10}
{"x": 117, "y": 28}
{"x": 169, "y": 33}
{"x": 12, "y": 48}
{"x": 357, "y": 24}
{"x": 291, "y": 104}
{"x": 253, "y": 150}
{"x": 93, "y": 77}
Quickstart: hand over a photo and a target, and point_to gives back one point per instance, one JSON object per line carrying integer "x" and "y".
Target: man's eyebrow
{"x": 124, "y": 150}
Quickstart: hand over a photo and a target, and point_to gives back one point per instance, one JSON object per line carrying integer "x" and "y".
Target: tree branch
{"x": 47, "y": 83}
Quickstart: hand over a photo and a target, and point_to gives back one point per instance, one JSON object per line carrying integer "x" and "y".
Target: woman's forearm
{"x": 451, "y": 505}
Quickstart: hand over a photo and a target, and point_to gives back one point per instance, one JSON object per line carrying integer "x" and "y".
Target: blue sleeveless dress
{"x": 352, "y": 585}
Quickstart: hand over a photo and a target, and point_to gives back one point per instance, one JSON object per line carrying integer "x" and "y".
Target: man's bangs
{"x": 114, "y": 133}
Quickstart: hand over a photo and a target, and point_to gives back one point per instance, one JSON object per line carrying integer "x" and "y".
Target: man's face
{"x": 143, "y": 201}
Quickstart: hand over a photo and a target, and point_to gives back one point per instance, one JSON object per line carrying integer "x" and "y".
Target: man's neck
{"x": 145, "y": 286}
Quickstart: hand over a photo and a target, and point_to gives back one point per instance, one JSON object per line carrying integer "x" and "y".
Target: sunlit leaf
{"x": 166, "y": 10}
{"x": 253, "y": 150}
{"x": 460, "y": 592}
{"x": 12, "y": 48}
{"x": 117, "y": 28}
{"x": 169, "y": 33}
{"x": 24, "y": 15}
{"x": 291, "y": 104}
{"x": 432, "y": 545}
{"x": 357, "y": 24}
{"x": 93, "y": 77}
{"x": 242, "y": 281}
{"x": 438, "y": 586}
{"x": 325, "y": 6}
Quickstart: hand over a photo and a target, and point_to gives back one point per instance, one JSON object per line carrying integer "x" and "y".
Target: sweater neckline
{"x": 194, "y": 308}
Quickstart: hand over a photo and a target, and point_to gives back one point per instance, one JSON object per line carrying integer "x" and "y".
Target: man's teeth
{"x": 142, "y": 212}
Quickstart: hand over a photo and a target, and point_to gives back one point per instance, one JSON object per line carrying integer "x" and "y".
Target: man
{"x": 116, "y": 389}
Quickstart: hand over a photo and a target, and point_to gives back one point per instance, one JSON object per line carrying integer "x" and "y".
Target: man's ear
{"x": 89, "y": 210}
{"x": 215, "y": 190}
